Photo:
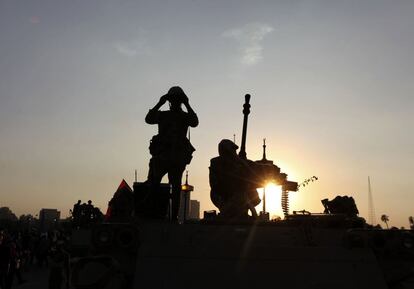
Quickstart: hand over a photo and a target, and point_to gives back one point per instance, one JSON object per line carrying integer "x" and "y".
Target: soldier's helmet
{"x": 227, "y": 147}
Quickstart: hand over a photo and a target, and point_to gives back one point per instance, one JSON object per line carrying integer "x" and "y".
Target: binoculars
{"x": 176, "y": 97}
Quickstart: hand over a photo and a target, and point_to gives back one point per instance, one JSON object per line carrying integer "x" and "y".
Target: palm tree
{"x": 385, "y": 219}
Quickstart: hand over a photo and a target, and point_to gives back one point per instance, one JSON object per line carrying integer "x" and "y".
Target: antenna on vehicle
{"x": 264, "y": 149}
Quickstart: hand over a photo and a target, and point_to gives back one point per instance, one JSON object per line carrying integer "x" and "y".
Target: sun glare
{"x": 273, "y": 195}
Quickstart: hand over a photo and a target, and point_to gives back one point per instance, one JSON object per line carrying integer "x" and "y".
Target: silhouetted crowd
{"x": 21, "y": 250}
{"x": 85, "y": 214}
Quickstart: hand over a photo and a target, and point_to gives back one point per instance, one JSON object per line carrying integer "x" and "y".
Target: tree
{"x": 7, "y": 214}
{"x": 26, "y": 219}
{"x": 385, "y": 219}
{"x": 411, "y": 220}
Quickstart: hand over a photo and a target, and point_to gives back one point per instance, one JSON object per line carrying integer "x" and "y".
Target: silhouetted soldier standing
{"x": 170, "y": 149}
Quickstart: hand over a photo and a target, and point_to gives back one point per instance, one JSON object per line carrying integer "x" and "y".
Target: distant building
{"x": 48, "y": 218}
{"x": 184, "y": 206}
{"x": 190, "y": 207}
{"x": 194, "y": 210}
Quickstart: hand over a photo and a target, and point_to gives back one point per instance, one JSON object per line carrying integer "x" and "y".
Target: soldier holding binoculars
{"x": 170, "y": 149}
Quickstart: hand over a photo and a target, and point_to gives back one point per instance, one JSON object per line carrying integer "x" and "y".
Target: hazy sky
{"x": 331, "y": 84}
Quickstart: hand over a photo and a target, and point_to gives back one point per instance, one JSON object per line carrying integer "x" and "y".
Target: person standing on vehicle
{"x": 170, "y": 149}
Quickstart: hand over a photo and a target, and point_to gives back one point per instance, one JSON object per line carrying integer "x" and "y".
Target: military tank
{"x": 304, "y": 250}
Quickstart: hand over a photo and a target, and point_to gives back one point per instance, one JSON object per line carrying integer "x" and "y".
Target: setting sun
{"x": 273, "y": 194}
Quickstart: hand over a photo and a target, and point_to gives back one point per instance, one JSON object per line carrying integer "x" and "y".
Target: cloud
{"x": 250, "y": 39}
{"x": 132, "y": 48}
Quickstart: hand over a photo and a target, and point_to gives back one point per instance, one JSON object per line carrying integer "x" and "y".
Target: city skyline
{"x": 331, "y": 87}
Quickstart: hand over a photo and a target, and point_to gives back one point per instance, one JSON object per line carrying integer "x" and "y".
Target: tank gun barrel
{"x": 246, "y": 111}
{"x": 264, "y": 170}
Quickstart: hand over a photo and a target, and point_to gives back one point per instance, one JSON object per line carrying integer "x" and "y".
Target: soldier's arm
{"x": 215, "y": 193}
{"x": 192, "y": 116}
{"x": 212, "y": 176}
{"x": 153, "y": 113}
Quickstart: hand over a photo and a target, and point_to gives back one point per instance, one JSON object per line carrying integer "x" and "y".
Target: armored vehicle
{"x": 316, "y": 251}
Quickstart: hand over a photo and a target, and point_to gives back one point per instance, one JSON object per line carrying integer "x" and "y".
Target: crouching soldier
{"x": 233, "y": 183}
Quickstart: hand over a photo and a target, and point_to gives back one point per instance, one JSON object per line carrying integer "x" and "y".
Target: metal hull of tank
{"x": 251, "y": 256}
